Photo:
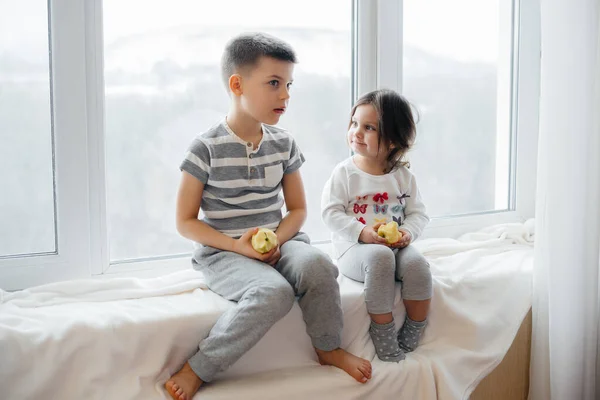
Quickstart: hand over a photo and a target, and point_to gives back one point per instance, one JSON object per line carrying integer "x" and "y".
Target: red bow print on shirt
{"x": 360, "y": 208}
{"x": 361, "y": 219}
{"x": 380, "y": 197}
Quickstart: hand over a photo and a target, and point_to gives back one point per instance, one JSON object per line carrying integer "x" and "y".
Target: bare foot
{"x": 358, "y": 368}
{"x": 184, "y": 384}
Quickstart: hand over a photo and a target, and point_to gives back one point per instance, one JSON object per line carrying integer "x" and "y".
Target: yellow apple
{"x": 390, "y": 232}
{"x": 264, "y": 240}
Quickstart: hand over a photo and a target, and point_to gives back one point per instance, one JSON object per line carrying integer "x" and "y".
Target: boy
{"x": 234, "y": 172}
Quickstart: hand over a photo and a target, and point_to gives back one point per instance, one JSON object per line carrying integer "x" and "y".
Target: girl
{"x": 371, "y": 188}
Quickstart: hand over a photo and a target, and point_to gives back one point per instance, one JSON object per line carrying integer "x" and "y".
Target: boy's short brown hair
{"x": 246, "y": 49}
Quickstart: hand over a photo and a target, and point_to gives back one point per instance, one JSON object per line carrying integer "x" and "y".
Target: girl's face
{"x": 363, "y": 134}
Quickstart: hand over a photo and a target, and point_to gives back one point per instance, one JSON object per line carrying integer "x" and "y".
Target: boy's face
{"x": 265, "y": 89}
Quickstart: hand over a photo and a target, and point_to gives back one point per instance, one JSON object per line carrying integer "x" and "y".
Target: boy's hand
{"x": 244, "y": 247}
{"x": 369, "y": 235}
{"x": 404, "y": 240}
{"x": 275, "y": 256}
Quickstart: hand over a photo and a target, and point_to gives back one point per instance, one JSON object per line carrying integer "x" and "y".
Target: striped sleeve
{"x": 295, "y": 160}
{"x": 197, "y": 161}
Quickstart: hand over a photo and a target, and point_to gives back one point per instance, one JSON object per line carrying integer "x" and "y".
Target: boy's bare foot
{"x": 358, "y": 368}
{"x": 184, "y": 384}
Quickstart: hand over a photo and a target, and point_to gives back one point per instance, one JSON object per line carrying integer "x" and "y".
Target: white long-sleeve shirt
{"x": 353, "y": 198}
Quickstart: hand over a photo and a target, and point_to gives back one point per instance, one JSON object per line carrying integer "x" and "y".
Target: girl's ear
{"x": 235, "y": 84}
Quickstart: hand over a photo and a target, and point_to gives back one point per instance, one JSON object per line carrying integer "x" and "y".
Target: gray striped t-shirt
{"x": 242, "y": 186}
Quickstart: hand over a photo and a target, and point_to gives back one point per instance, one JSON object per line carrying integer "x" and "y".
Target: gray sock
{"x": 410, "y": 333}
{"x": 384, "y": 339}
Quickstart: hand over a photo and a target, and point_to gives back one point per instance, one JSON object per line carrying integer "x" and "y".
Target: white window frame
{"x": 78, "y": 115}
{"x": 68, "y": 76}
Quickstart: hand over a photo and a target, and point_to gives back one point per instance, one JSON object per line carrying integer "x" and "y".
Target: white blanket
{"x": 122, "y": 338}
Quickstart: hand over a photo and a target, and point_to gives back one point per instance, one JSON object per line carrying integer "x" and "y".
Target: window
{"x": 99, "y": 101}
{"x": 163, "y": 87}
{"x": 27, "y": 217}
{"x": 460, "y": 78}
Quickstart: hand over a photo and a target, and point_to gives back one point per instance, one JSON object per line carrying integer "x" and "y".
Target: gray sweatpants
{"x": 379, "y": 267}
{"x": 265, "y": 294}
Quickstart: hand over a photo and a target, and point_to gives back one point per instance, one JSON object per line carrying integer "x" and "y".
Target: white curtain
{"x": 565, "y": 363}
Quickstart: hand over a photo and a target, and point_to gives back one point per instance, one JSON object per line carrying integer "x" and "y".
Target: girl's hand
{"x": 369, "y": 235}
{"x": 243, "y": 246}
{"x": 404, "y": 240}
